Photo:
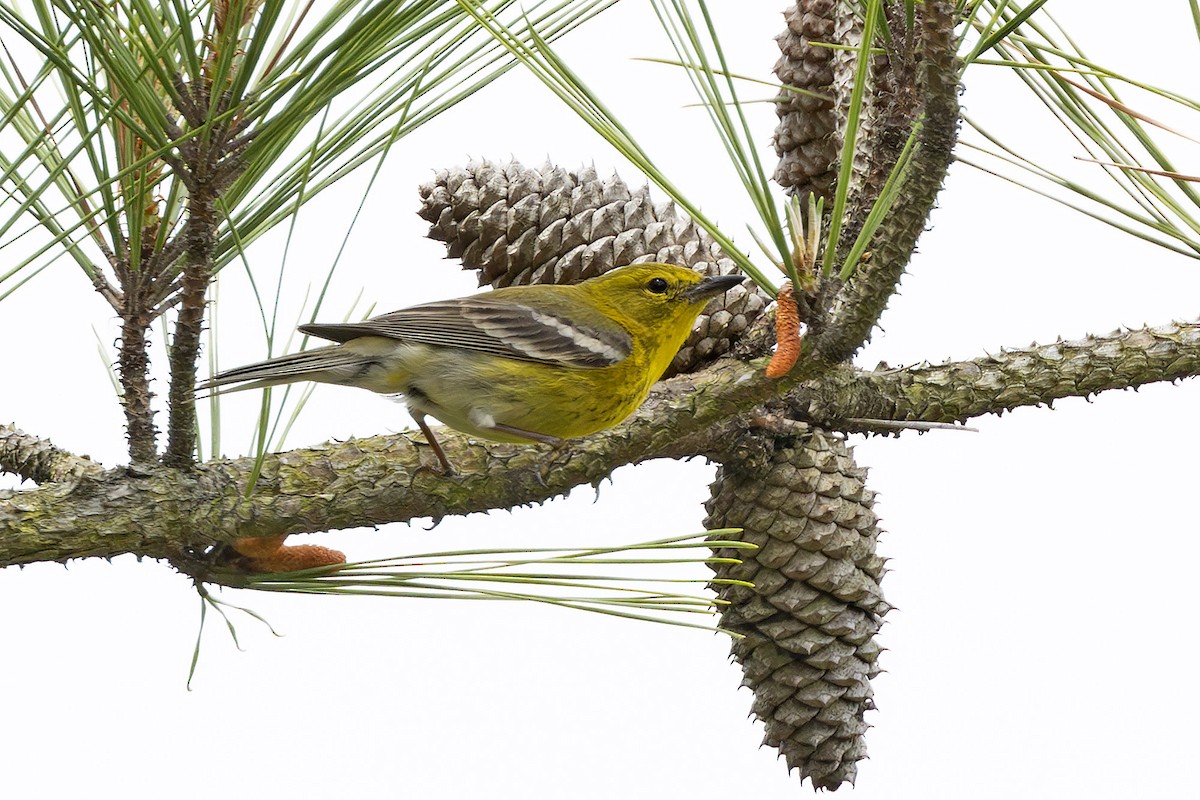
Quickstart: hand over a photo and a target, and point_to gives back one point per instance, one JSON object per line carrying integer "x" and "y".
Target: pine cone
{"x": 804, "y": 140}
{"x": 810, "y": 133}
{"x": 522, "y": 226}
{"x": 810, "y": 621}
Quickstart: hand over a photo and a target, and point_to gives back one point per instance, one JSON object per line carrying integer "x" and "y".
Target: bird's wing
{"x": 548, "y": 330}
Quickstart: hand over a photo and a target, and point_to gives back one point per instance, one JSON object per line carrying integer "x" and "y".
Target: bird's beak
{"x": 712, "y": 286}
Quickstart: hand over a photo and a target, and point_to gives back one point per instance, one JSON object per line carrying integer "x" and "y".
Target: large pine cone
{"x": 809, "y": 624}
{"x": 517, "y": 225}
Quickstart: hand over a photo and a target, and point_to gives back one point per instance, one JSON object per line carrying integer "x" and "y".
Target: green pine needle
{"x": 564, "y": 577}
{"x": 1135, "y": 186}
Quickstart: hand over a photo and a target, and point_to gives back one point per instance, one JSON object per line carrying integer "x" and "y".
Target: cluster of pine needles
{"x": 644, "y": 581}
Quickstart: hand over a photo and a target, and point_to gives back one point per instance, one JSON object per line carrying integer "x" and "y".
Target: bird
{"x": 520, "y": 364}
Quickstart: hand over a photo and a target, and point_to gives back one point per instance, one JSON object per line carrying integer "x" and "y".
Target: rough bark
{"x": 37, "y": 460}
{"x": 185, "y": 344}
{"x": 133, "y": 368}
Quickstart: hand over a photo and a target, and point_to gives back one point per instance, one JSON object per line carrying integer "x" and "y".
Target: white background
{"x": 1043, "y": 644}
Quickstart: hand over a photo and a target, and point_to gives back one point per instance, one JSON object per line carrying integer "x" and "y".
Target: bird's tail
{"x": 324, "y": 364}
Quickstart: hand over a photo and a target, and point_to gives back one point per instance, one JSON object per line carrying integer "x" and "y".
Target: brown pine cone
{"x": 809, "y": 624}
{"x": 517, "y": 225}
{"x": 804, "y": 137}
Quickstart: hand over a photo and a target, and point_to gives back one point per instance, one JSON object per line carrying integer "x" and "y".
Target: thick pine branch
{"x": 1040, "y": 374}
{"x": 934, "y": 100}
{"x": 373, "y": 481}
{"x": 37, "y": 460}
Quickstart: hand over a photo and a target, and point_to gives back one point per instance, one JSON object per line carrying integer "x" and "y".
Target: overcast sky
{"x": 1042, "y": 569}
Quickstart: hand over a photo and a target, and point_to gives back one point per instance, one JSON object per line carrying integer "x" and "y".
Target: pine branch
{"x": 366, "y": 482}
{"x": 1036, "y": 375}
{"x": 185, "y": 345}
{"x": 38, "y": 460}
{"x": 133, "y": 369}
{"x": 933, "y": 99}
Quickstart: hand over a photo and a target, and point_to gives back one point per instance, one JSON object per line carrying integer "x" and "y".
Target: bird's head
{"x": 657, "y": 297}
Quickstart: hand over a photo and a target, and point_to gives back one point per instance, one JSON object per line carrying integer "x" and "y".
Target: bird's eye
{"x": 657, "y": 285}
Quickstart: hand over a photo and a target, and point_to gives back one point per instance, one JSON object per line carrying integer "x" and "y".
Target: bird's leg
{"x": 433, "y": 443}
{"x": 499, "y": 428}
{"x": 559, "y": 456}
{"x": 554, "y": 442}
{"x": 534, "y": 437}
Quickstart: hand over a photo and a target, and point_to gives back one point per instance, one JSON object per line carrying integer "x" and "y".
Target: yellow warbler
{"x": 520, "y": 364}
